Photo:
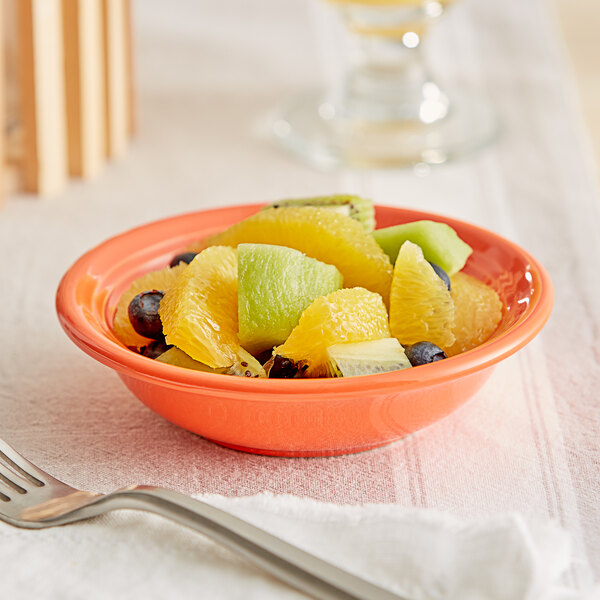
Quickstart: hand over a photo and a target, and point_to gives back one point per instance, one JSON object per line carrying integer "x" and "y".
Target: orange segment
{"x": 156, "y": 280}
{"x": 421, "y": 308}
{"x": 478, "y": 310}
{"x": 320, "y": 233}
{"x": 348, "y": 315}
{"x": 199, "y": 312}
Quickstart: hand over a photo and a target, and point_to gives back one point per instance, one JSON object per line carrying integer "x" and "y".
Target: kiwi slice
{"x": 245, "y": 366}
{"x": 439, "y": 242}
{"x": 367, "y": 358}
{"x": 177, "y": 357}
{"x": 360, "y": 209}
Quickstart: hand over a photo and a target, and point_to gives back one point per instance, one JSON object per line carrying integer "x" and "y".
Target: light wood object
{"x": 129, "y": 51}
{"x": 42, "y": 95}
{"x": 12, "y": 141}
{"x": 116, "y": 61}
{"x": 84, "y": 80}
{"x": 66, "y": 91}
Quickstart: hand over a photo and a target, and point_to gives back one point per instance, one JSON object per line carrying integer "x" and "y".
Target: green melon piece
{"x": 439, "y": 242}
{"x": 245, "y": 366}
{"x": 367, "y": 358}
{"x": 360, "y": 209}
{"x": 275, "y": 285}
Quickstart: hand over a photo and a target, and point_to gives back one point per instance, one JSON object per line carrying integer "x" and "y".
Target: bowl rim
{"x": 73, "y": 316}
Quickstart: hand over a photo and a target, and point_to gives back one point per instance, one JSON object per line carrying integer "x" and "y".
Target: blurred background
{"x": 82, "y": 78}
{"x": 578, "y": 21}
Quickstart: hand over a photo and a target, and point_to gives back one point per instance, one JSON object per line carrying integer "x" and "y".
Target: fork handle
{"x": 298, "y": 568}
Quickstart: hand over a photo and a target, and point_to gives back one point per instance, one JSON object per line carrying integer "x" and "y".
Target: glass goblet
{"x": 383, "y": 108}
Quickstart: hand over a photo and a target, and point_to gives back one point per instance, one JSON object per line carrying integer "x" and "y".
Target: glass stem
{"x": 387, "y": 80}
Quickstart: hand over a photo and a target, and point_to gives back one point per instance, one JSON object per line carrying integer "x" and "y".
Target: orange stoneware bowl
{"x": 296, "y": 417}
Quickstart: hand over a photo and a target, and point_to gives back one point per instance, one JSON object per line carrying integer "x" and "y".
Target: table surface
{"x": 207, "y": 73}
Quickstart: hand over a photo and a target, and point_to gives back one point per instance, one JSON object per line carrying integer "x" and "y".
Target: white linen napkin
{"x": 419, "y": 553}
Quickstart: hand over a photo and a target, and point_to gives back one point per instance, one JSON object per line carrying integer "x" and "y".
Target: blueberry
{"x": 441, "y": 274}
{"x": 265, "y": 356}
{"x": 283, "y": 368}
{"x": 186, "y": 257}
{"x": 155, "y": 349}
{"x": 423, "y": 353}
{"x": 143, "y": 314}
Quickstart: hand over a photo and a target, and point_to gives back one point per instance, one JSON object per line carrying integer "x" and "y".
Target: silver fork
{"x": 31, "y": 498}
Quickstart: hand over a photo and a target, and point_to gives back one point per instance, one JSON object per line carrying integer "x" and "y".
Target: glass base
{"x": 309, "y": 128}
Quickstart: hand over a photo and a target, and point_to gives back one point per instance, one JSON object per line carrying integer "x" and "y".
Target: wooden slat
{"x": 13, "y": 133}
{"x": 84, "y": 81}
{"x": 115, "y": 53}
{"x": 130, "y": 52}
{"x": 27, "y": 96}
{"x": 42, "y": 95}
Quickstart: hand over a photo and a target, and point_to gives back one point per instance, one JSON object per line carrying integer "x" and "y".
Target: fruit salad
{"x": 310, "y": 288}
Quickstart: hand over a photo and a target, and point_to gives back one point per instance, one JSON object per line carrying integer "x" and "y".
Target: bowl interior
{"x": 512, "y": 272}
{"x": 90, "y": 291}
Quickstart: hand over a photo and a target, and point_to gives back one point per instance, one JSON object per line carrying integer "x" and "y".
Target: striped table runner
{"x": 527, "y": 442}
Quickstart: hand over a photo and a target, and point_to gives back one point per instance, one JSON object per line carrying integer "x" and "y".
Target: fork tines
{"x": 15, "y": 473}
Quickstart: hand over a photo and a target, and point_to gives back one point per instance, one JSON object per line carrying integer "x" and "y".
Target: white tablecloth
{"x": 207, "y": 71}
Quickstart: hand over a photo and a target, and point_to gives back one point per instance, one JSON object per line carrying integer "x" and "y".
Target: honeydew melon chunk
{"x": 360, "y": 209}
{"x": 439, "y": 242}
{"x": 367, "y": 358}
{"x": 245, "y": 366}
{"x": 275, "y": 285}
